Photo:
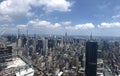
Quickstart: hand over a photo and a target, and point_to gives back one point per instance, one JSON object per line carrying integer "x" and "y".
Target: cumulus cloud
{"x": 55, "y": 5}
{"x": 39, "y": 23}
{"x": 81, "y": 26}
{"x": 84, "y": 26}
{"x": 21, "y": 26}
{"x": 47, "y": 24}
{"x": 43, "y": 23}
{"x": 66, "y": 23}
{"x": 12, "y": 9}
{"x": 109, "y": 25}
{"x": 57, "y": 25}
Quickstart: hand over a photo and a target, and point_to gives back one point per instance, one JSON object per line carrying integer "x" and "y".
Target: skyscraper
{"x": 17, "y": 38}
{"x": 51, "y": 43}
{"x": 91, "y": 58}
{"x": 39, "y": 46}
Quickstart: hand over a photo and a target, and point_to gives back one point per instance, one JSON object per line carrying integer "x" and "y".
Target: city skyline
{"x": 76, "y": 17}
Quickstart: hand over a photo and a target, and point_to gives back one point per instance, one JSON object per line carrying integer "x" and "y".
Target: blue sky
{"x": 77, "y": 17}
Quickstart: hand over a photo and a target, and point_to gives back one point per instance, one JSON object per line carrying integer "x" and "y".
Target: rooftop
{"x": 17, "y": 67}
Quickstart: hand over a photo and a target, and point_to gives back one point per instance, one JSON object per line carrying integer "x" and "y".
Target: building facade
{"x": 91, "y": 58}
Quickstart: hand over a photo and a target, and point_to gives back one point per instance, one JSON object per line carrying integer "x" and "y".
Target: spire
{"x": 17, "y": 37}
{"x": 66, "y": 35}
{"x": 18, "y": 33}
{"x": 91, "y": 36}
{"x": 27, "y": 33}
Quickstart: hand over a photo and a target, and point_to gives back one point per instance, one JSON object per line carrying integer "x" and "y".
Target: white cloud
{"x": 84, "y": 26}
{"x": 43, "y": 23}
{"x": 48, "y": 25}
{"x": 55, "y": 5}
{"x": 81, "y": 26}
{"x": 57, "y": 25}
{"x": 39, "y": 23}
{"x": 66, "y": 23}
{"x": 21, "y": 26}
{"x": 30, "y": 14}
{"x": 15, "y": 9}
{"x": 109, "y": 25}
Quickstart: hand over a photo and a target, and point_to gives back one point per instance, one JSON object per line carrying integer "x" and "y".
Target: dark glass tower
{"x": 91, "y": 58}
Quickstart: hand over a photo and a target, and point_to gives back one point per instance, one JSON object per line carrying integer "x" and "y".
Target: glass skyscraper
{"x": 91, "y": 58}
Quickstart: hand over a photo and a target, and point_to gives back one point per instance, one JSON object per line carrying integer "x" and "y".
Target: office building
{"x": 39, "y": 46}
{"x": 91, "y": 58}
{"x": 51, "y": 43}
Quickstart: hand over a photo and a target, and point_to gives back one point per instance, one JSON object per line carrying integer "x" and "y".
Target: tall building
{"x": 42, "y": 46}
{"x": 17, "y": 37}
{"x": 91, "y": 58}
{"x": 24, "y": 40}
{"x": 51, "y": 43}
{"x": 39, "y": 46}
{"x": 65, "y": 41}
{"x": 45, "y": 46}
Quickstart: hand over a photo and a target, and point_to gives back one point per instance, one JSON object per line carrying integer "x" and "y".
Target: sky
{"x": 76, "y": 17}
